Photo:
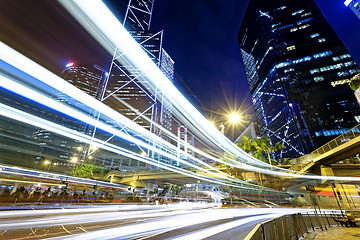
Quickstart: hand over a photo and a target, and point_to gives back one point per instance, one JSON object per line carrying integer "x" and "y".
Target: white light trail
{"x": 208, "y": 232}
{"x": 91, "y": 15}
{"x": 27, "y": 65}
{"x": 39, "y": 122}
{"x": 99, "y": 21}
{"x": 176, "y": 221}
{"x": 38, "y": 97}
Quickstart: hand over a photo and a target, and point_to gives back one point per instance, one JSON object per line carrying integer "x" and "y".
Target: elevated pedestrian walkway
{"x": 344, "y": 146}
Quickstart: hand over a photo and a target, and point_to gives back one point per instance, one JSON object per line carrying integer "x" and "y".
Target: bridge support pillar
{"x": 112, "y": 179}
{"x": 326, "y": 171}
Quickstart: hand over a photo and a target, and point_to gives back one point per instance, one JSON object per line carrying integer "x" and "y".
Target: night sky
{"x": 200, "y": 36}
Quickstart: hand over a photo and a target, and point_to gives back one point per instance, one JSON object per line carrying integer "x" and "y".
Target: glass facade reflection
{"x": 297, "y": 69}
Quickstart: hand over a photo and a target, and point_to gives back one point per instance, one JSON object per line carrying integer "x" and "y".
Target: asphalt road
{"x": 177, "y": 221}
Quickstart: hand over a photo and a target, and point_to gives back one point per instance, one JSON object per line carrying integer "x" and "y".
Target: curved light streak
{"x": 44, "y": 100}
{"x": 38, "y": 97}
{"x": 39, "y": 122}
{"x": 91, "y": 15}
{"x": 35, "y": 96}
{"x": 98, "y": 20}
{"x": 29, "y": 66}
{"x": 96, "y": 17}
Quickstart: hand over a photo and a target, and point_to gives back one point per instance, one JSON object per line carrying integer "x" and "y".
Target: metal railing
{"x": 308, "y": 159}
{"x": 291, "y": 227}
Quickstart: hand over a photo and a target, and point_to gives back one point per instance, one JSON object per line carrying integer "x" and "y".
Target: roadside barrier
{"x": 292, "y": 227}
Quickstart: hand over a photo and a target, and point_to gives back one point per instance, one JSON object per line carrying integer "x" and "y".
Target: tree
{"x": 176, "y": 189}
{"x": 85, "y": 170}
{"x": 247, "y": 145}
{"x": 250, "y": 146}
{"x": 263, "y": 146}
{"x": 354, "y": 83}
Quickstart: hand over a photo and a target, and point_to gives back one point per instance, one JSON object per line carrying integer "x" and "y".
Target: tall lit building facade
{"x": 354, "y": 5}
{"x": 89, "y": 78}
{"x": 296, "y": 68}
{"x": 127, "y": 88}
{"x": 128, "y": 91}
{"x": 138, "y": 14}
{"x": 92, "y": 79}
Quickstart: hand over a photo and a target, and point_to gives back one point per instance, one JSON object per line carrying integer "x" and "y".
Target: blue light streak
{"x": 97, "y": 12}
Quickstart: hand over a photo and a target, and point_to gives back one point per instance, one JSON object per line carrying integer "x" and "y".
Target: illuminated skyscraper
{"x": 89, "y": 78}
{"x": 127, "y": 90}
{"x": 296, "y": 66}
{"x": 354, "y": 6}
{"x": 138, "y": 14}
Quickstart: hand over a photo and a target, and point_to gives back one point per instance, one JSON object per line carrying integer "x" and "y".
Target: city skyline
{"x": 176, "y": 17}
{"x": 193, "y": 64}
{"x": 77, "y": 86}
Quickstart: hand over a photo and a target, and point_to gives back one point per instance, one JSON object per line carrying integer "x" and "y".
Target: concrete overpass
{"x": 158, "y": 177}
{"x": 141, "y": 179}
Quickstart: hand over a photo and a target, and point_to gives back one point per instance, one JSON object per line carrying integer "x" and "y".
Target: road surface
{"x": 176, "y": 221}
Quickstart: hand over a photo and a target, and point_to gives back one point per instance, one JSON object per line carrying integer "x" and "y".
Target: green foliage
{"x": 354, "y": 83}
{"x": 259, "y": 147}
{"x": 247, "y": 145}
{"x": 226, "y": 188}
{"x": 263, "y": 145}
{"x": 100, "y": 170}
{"x": 176, "y": 189}
{"x": 86, "y": 170}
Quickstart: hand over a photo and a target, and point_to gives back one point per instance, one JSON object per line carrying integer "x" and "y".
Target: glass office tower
{"x": 128, "y": 91}
{"x": 297, "y": 70}
{"x": 89, "y": 78}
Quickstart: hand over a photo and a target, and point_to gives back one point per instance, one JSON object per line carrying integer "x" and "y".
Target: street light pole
{"x": 222, "y": 128}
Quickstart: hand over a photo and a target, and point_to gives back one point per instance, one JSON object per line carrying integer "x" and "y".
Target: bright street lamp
{"x": 231, "y": 117}
{"x": 234, "y": 118}
{"x": 74, "y": 160}
{"x": 47, "y": 163}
